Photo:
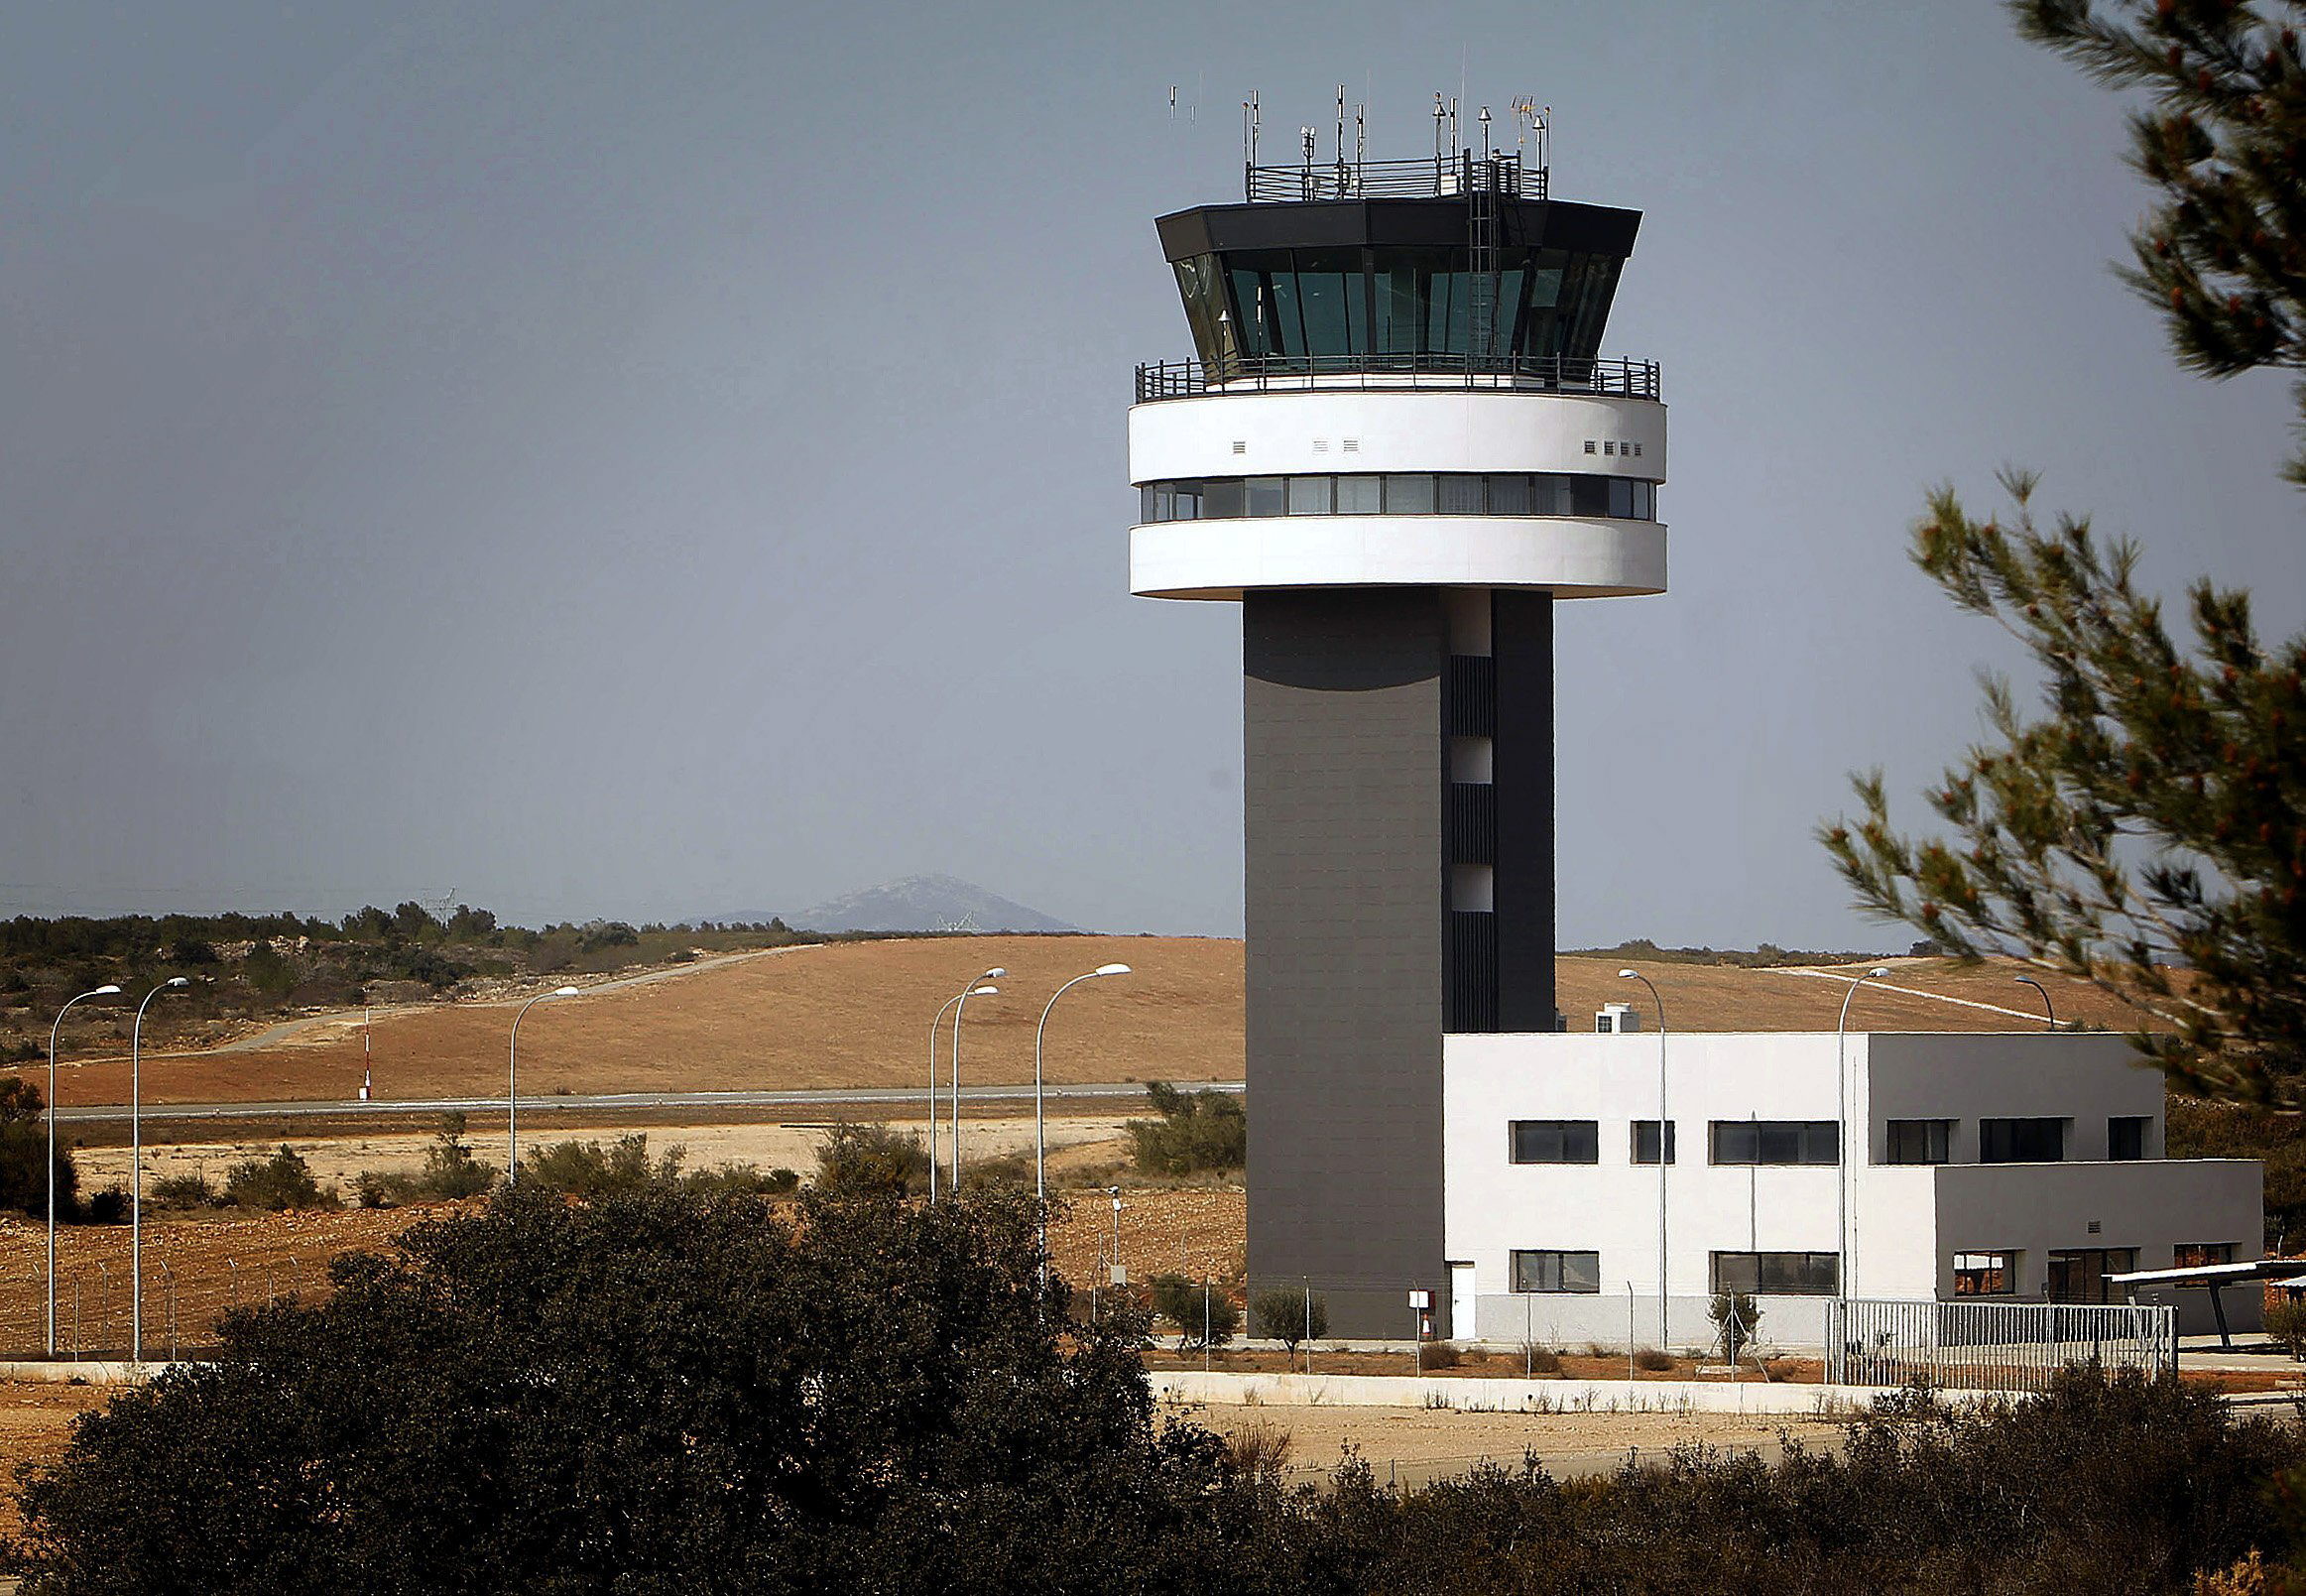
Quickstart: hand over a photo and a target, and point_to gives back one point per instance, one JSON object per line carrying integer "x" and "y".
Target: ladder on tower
{"x": 1481, "y": 248}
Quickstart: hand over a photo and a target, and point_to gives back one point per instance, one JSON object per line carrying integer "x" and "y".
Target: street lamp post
{"x": 1040, "y": 1133}
{"x": 1842, "y": 1134}
{"x": 174, "y": 983}
{"x": 2048, "y": 1008}
{"x": 105, "y": 991}
{"x": 960, "y": 1007}
{"x": 1663, "y": 1144}
{"x": 513, "y": 1083}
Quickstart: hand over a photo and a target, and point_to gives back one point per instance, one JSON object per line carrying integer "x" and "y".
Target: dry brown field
{"x": 856, "y": 1013}
{"x": 848, "y": 1014}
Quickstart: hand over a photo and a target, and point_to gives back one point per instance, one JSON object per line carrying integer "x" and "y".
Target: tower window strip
{"x": 1401, "y": 493}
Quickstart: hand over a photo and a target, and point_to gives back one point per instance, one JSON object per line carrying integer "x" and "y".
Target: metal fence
{"x": 1991, "y": 1346}
{"x": 1613, "y": 377}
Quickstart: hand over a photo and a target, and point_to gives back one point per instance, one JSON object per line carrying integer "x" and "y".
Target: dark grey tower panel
{"x": 1342, "y": 716}
{"x": 1522, "y": 638}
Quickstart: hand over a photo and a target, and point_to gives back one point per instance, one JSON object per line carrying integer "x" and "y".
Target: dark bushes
{"x": 2118, "y": 1485}
{"x": 1201, "y": 1131}
{"x": 284, "y": 1180}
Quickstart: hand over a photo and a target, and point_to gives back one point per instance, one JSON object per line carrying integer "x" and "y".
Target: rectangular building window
{"x": 1221, "y": 499}
{"x": 1622, "y": 497}
{"x": 1461, "y": 495}
{"x": 1984, "y": 1274}
{"x": 1359, "y": 496}
{"x": 1777, "y": 1273}
{"x": 2078, "y": 1274}
{"x": 1549, "y": 495}
{"x": 2126, "y": 1136}
{"x": 1557, "y": 1141}
{"x": 2026, "y": 1141}
{"x": 1557, "y": 1272}
{"x": 1508, "y": 495}
{"x": 1408, "y": 495}
{"x": 1311, "y": 495}
{"x": 1645, "y": 1140}
{"x": 1921, "y": 1141}
{"x": 2195, "y": 1254}
{"x": 1264, "y": 496}
{"x": 1776, "y": 1142}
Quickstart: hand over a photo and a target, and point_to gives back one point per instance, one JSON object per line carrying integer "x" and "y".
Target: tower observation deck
{"x": 1396, "y": 445}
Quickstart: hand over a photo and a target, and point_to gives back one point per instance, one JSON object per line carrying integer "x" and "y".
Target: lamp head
{"x": 1877, "y": 972}
{"x": 984, "y": 992}
{"x": 1629, "y": 975}
{"x": 107, "y": 990}
{"x": 178, "y": 980}
{"x": 994, "y": 973}
{"x": 1110, "y": 969}
{"x": 565, "y": 992}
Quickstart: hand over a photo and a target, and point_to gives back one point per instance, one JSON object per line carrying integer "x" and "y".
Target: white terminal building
{"x": 1397, "y": 447}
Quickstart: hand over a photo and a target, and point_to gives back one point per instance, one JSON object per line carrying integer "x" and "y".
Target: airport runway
{"x": 610, "y": 1102}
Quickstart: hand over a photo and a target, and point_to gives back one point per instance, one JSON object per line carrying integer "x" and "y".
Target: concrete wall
{"x": 1905, "y": 1222}
{"x": 2019, "y": 1075}
{"x": 2154, "y": 1206}
{"x": 1344, "y": 774}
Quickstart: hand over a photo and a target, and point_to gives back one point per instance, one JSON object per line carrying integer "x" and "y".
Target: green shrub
{"x": 587, "y": 1170}
{"x": 376, "y": 1188}
{"x": 1290, "y": 1318}
{"x": 1737, "y": 1321}
{"x": 870, "y": 1161}
{"x": 741, "y": 1180}
{"x": 450, "y": 1170}
{"x": 183, "y": 1191}
{"x": 2286, "y": 1325}
{"x": 1010, "y": 1169}
{"x": 24, "y": 1153}
{"x": 1196, "y": 1132}
{"x": 284, "y": 1180}
{"x": 1202, "y": 1314}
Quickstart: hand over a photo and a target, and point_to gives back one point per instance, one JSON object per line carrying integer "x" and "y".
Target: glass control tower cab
{"x": 1397, "y": 444}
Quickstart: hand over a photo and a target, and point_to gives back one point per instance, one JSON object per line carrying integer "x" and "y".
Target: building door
{"x": 1461, "y": 1302}
{"x": 2078, "y": 1274}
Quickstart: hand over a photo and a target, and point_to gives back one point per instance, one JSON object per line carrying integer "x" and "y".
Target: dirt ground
{"x": 1412, "y": 1445}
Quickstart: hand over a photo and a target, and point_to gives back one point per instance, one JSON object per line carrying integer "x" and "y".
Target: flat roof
{"x": 2206, "y": 1273}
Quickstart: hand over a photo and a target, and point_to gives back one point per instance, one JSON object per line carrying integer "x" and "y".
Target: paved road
{"x": 1132, "y": 1093}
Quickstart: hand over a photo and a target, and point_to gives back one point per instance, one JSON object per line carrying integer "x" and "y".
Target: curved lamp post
{"x": 174, "y": 983}
{"x": 960, "y": 1006}
{"x": 932, "y": 1091}
{"x": 513, "y": 1082}
{"x": 1842, "y": 1134}
{"x": 2048, "y": 1008}
{"x": 108, "y": 990}
{"x": 1662, "y": 1122}
{"x": 1040, "y": 1133}
{"x": 971, "y": 992}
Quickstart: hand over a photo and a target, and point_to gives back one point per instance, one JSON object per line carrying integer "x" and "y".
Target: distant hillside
{"x": 921, "y": 904}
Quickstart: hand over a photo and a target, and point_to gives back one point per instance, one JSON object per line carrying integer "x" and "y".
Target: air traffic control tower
{"x": 1397, "y": 447}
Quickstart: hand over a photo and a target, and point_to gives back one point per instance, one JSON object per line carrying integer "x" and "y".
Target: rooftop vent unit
{"x": 1616, "y": 1020}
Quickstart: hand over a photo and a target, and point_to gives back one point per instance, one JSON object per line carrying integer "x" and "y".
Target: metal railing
{"x": 1991, "y": 1346}
{"x": 1437, "y": 176}
{"x": 1188, "y": 379}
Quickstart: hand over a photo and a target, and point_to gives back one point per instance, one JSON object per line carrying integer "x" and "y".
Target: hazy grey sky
{"x": 657, "y": 460}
